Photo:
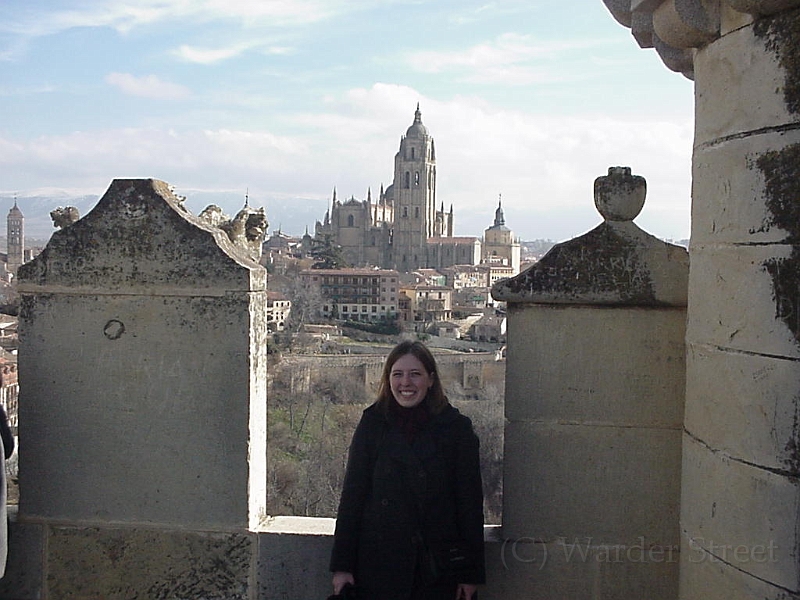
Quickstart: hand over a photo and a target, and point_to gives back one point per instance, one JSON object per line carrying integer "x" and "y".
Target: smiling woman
{"x": 410, "y": 521}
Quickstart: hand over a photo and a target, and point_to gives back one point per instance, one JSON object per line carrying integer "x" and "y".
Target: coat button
{"x": 384, "y": 502}
{"x": 421, "y": 473}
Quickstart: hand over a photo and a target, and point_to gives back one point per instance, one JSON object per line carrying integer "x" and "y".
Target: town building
{"x": 427, "y": 304}
{"x": 367, "y": 295}
{"x": 278, "y": 309}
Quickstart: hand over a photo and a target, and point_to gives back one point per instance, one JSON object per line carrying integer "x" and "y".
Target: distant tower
{"x": 16, "y": 239}
{"x": 414, "y": 196}
{"x": 499, "y": 245}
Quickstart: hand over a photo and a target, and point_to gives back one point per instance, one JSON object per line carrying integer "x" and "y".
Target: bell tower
{"x": 415, "y": 196}
{"x": 16, "y": 239}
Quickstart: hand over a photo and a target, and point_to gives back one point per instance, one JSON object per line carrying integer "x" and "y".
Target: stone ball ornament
{"x": 619, "y": 196}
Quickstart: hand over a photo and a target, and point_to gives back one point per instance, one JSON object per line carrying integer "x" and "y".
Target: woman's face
{"x": 409, "y": 381}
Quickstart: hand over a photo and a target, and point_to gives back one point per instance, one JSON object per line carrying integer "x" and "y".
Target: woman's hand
{"x": 340, "y": 578}
{"x": 466, "y": 591}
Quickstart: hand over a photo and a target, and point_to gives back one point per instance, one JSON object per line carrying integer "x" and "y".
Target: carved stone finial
{"x": 64, "y": 216}
{"x": 619, "y": 196}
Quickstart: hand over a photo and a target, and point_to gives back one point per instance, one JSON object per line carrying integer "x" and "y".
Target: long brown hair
{"x": 435, "y": 399}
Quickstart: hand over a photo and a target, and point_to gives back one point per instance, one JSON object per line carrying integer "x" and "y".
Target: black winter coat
{"x": 394, "y": 490}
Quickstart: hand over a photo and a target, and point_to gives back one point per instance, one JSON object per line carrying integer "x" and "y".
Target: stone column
{"x": 594, "y": 407}
{"x": 740, "y": 510}
{"x": 143, "y": 404}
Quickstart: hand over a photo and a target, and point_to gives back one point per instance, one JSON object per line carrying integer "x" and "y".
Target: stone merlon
{"x": 616, "y": 263}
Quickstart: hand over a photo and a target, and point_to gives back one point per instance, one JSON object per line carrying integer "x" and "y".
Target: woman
{"x": 410, "y": 521}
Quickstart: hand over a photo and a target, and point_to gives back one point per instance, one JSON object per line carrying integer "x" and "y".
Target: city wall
{"x": 471, "y": 371}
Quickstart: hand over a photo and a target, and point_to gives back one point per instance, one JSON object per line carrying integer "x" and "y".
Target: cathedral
{"x": 403, "y": 229}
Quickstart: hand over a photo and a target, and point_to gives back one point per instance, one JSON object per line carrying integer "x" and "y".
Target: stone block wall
{"x": 594, "y": 408}
{"x": 740, "y": 506}
{"x": 143, "y": 411}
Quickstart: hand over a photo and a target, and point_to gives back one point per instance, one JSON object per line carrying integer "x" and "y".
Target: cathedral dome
{"x": 417, "y": 129}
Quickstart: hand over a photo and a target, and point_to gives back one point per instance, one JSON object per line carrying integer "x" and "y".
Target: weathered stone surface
{"x": 128, "y": 564}
{"x": 706, "y": 577}
{"x": 728, "y": 73}
{"x": 637, "y": 381}
{"x": 613, "y": 485}
{"x": 293, "y": 565}
{"x": 24, "y": 576}
{"x": 572, "y": 569}
{"x": 762, "y": 7}
{"x": 747, "y": 313}
{"x": 731, "y": 20}
{"x": 734, "y": 178}
{"x": 137, "y": 237}
{"x": 686, "y": 23}
{"x": 615, "y": 263}
{"x": 746, "y": 406}
{"x": 746, "y": 516}
{"x": 143, "y": 370}
{"x": 126, "y": 424}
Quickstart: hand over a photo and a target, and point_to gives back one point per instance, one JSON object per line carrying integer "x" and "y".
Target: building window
{"x": 405, "y": 214}
{"x": 416, "y": 212}
{"x": 350, "y": 220}
{"x": 408, "y": 180}
{"x": 412, "y": 153}
{"x": 374, "y": 309}
{"x": 416, "y": 177}
{"x": 344, "y": 309}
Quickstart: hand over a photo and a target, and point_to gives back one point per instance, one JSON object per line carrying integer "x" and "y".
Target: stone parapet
{"x": 594, "y": 410}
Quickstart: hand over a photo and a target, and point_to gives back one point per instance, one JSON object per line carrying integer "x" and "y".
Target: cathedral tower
{"x": 414, "y": 191}
{"x": 16, "y": 239}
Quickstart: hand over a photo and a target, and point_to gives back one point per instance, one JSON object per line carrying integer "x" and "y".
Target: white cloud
{"x": 147, "y": 86}
{"x": 208, "y": 56}
{"x": 511, "y": 59}
{"x": 126, "y": 15}
{"x": 544, "y": 166}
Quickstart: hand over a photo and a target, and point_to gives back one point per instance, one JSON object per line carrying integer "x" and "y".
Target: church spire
{"x": 499, "y": 219}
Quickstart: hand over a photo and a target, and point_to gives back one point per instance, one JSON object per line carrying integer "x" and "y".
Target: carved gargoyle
{"x": 246, "y": 230}
{"x": 64, "y": 216}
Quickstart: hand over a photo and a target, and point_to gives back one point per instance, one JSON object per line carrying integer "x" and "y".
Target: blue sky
{"x": 289, "y": 98}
